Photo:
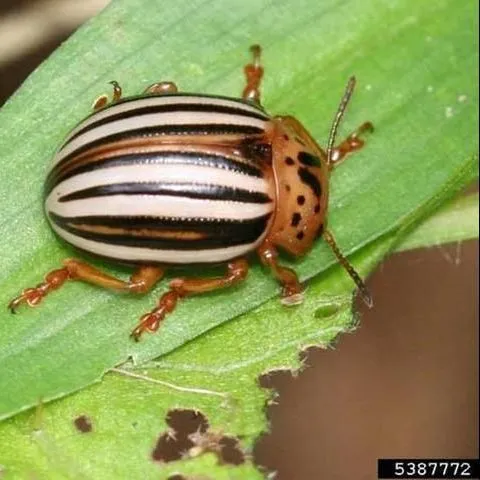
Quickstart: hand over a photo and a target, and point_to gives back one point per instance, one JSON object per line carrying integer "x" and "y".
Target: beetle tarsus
{"x": 33, "y": 296}
{"x": 351, "y": 144}
{"x": 181, "y": 287}
{"x": 102, "y": 100}
{"x": 293, "y": 299}
{"x": 150, "y": 322}
{"x": 253, "y": 73}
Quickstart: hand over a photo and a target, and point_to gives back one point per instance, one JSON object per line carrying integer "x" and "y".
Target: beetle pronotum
{"x": 168, "y": 178}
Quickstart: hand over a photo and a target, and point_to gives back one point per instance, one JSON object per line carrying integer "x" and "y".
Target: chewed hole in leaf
{"x": 231, "y": 452}
{"x": 273, "y": 378}
{"x": 189, "y": 436}
{"x": 171, "y": 447}
{"x": 83, "y": 424}
{"x": 184, "y": 422}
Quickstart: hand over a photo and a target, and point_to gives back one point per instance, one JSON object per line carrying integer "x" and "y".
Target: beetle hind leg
{"x": 140, "y": 282}
{"x": 182, "y": 287}
{"x": 253, "y": 73}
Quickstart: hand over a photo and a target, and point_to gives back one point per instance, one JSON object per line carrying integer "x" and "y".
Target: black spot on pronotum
{"x": 308, "y": 159}
{"x": 317, "y": 208}
{"x": 286, "y": 137}
{"x": 296, "y": 217}
{"x": 300, "y": 199}
{"x": 290, "y": 161}
{"x": 83, "y": 424}
{"x": 300, "y": 235}
{"x": 308, "y": 178}
{"x": 287, "y": 188}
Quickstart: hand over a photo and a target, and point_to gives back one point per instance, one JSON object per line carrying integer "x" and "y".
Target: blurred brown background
{"x": 404, "y": 385}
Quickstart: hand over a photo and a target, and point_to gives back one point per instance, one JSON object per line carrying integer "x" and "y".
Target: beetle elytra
{"x": 169, "y": 178}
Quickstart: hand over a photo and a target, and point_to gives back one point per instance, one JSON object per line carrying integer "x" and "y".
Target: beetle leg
{"x": 140, "y": 282}
{"x": 352, "y": 143}
{"x": 292, "y": 290}
{"x": 181, "y": 287}
{"x": 102, "y": 100}
{"x": 162, "y": 88}
{"x": 254, "y": 73}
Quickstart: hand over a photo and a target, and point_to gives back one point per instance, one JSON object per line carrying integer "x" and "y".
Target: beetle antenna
{"x": 338, "y": 117}
{"x": 362, "y": 288}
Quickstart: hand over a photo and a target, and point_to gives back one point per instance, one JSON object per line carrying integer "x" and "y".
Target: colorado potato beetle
{"x": 168, "y": 178}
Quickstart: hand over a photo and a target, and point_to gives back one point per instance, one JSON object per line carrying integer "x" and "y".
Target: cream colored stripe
{"x": 170, "y": 173}
{"x": 159, "y": 101}
{"x": 159, "y": 205}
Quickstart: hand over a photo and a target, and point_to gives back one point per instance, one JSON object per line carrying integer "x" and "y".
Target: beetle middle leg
{"x": 181, "y": 287}
{"x": 102, "y": 100}
{"x": 292, "y": 290}
{"x": 253, "y": 73}
{"x": 141, "y": 281}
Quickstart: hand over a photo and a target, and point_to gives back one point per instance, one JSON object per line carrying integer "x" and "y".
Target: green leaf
{"x": 128, "y": 415}
{"x": 415, "y": 65}
{"x": 454, "y": 222}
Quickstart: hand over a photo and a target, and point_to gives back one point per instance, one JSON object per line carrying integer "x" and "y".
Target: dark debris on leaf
{"x": 83, "y": 424}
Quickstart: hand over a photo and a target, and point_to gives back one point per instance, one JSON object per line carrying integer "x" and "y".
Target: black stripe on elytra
{"x": 218, "y": 233}
{"x": 163, "y": 130}
{"x": 153, "y": 158}
{"x": 187, "y": 190}
{"x": 308, "y": 159}
{"x": 169, "y": 108}
{"x": 308, "y": 178}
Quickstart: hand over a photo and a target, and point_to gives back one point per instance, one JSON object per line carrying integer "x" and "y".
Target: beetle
{"x": 169, "y": 178}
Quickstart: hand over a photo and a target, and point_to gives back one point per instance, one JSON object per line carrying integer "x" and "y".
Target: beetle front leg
{"x": 351, "y": 144}
{"x": 292, "y": 290}
{"x": 141, "y": 281}
{"x": 253, "y": 73}
{"x": 181, "y": 287}
{"x": 102, "y": 100}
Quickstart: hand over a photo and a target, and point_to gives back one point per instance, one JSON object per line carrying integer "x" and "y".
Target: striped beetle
{"x": 169, "y": 178}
